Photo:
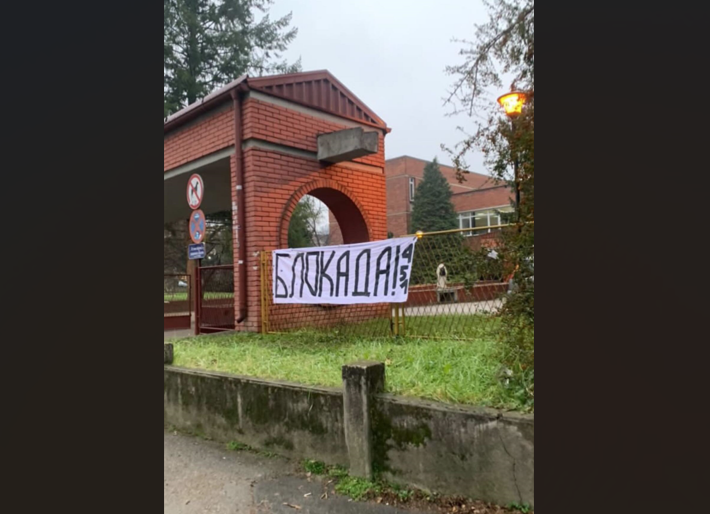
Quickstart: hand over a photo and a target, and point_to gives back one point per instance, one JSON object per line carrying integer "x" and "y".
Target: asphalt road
{"x": 202, "y": 477}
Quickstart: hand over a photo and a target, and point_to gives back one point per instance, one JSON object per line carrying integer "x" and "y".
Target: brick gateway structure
{"x": 261, "y": 144}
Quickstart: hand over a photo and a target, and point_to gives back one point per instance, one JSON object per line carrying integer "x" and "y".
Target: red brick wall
{"x": 196, "y": 140}
{"x": 485, "y": 198}
{"x": 487, "y": 240}
{"x": 399, "y": 224}
{"x": 415, "y": 168}
{"x": 273, "y": 185}
{"x": 398, "y": 204}
{"x": 336, "y": 235}
{"x": 275, "y": 181}
{"x": 283, "y": 126}
{"x": 399, "y": 208}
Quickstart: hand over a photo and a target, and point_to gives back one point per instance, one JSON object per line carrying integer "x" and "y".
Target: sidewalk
{"x": 202, "y": 477}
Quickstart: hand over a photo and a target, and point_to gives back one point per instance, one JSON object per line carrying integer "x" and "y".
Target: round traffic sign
{"x": 195, "y": 191}
{"x": 198, "y": 225}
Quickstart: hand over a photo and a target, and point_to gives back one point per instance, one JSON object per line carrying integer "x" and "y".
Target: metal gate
{"x": 177, "y": 302}
{"x": 215, "y": 299}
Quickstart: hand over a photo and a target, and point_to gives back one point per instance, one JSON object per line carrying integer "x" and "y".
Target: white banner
{"x": 376, "y": 272}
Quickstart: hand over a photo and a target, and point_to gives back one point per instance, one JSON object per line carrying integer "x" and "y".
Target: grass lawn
{"x": 444, "y": 370}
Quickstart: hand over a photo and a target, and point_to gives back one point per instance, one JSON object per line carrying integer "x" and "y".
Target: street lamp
{"x": 513, "y": 103}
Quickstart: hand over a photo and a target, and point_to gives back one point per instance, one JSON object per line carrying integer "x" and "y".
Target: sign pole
{"x": 196, "y": 227}
{"x": 198, "y": 299}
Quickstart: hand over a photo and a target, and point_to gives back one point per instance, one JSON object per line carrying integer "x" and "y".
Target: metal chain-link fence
{"x": 459, "y": 283}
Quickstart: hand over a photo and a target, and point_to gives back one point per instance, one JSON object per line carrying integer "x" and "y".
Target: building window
{"x": 481, "y": 220}
{"x": 412, "y": 187}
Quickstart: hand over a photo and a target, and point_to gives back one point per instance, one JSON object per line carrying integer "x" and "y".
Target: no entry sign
{"x": 195, "y": 191}
{"x": 198, "y": 225}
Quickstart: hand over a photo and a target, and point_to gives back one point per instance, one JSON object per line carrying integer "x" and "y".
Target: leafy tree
{"x": 432, "y": 210}
{"x": 219, "y": 247}
{"x": 504, "y": 48}
{"x": 504, "y": 51}
{"x": 303, "y": 227}
{"x": 175, "y": 240}
{"x": 218, "y": 243}
{"x": 208, "y": 43}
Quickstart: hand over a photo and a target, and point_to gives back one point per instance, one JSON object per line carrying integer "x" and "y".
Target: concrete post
{"x": 361, "y": 381}
{"x": 167, "y": 353}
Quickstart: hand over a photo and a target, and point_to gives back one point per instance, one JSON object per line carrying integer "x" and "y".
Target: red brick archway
{"x": 346, "y": 208}
{"x": 256, "y": 144}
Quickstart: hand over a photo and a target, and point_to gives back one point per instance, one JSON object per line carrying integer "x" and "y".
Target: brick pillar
{"x": 361, "y": 381}
{"x": 235, "y": 238}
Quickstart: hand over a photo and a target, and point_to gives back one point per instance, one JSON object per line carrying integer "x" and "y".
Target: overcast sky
{"x": 391, "y": 54}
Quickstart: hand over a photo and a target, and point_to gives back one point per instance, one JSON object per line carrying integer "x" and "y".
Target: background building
{"x": 480, "y": 201}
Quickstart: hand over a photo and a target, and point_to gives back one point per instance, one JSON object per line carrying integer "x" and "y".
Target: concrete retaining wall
{"x": 289, "y": 419}
{"x": 467, "y": 451}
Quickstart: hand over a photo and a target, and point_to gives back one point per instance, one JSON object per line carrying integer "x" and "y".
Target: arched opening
{"x": 347, "y": 214}
{"x": 310, "y": 224}
{"x": 325, "y": 217}
{"x": 335, "y": 217}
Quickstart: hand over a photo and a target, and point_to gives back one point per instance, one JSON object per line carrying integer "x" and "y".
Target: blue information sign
{"x": 196, "y": 251}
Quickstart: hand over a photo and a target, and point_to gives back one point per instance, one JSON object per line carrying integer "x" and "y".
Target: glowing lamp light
{"x": 512, "y": 103}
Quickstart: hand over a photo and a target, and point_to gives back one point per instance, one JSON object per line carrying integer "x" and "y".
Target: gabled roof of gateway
{"x": 316, "y": 89}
